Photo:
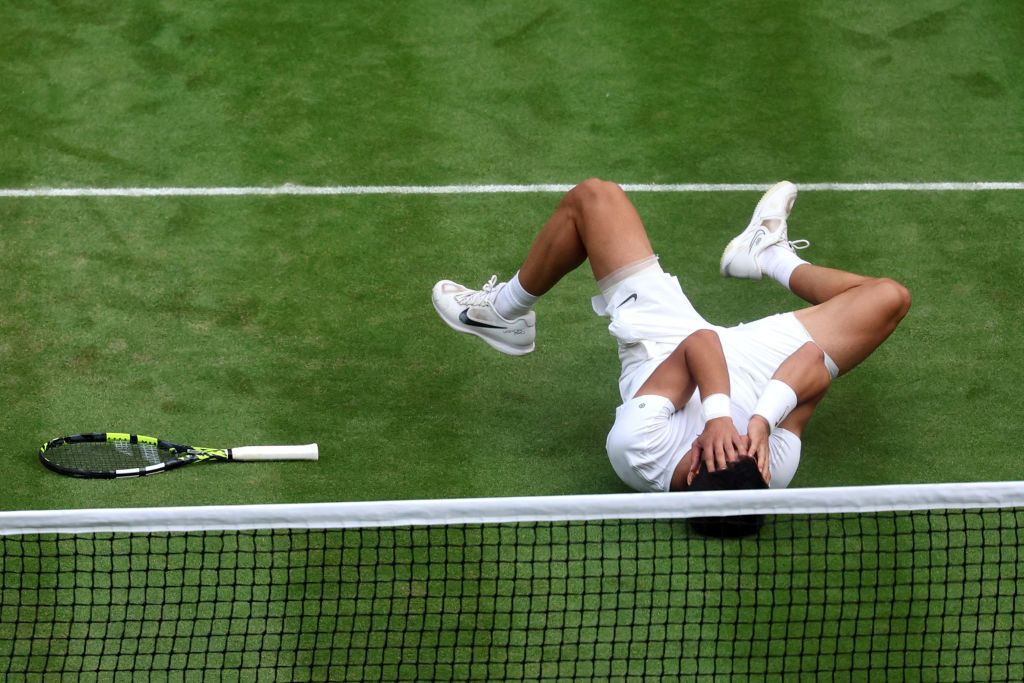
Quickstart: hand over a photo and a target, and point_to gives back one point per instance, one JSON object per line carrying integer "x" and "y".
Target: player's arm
{"x": 789, "y": 399}
{"x": 699, "y": 363}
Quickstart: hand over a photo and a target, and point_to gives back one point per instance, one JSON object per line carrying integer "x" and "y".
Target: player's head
{"x": 740, "y": 474}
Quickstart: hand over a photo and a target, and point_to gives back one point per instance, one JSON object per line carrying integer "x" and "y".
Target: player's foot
{"x": 472, "y": 311}
{"x": 767, "y": 228}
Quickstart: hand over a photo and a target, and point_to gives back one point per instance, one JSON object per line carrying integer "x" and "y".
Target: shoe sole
{"x": 495, "y": 344}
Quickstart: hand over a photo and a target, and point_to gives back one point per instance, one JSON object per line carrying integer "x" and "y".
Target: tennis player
{"x": 695, "y": 396}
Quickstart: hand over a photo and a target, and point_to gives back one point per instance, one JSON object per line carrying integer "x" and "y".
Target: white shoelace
{"x": 480, "y": 296}
{"x": 792, "y": 245}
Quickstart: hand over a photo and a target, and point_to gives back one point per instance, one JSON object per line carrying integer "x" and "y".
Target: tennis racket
{"x": 112, "y": 455}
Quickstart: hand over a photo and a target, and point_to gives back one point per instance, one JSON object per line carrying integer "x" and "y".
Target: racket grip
{"x": 307, "y": 452}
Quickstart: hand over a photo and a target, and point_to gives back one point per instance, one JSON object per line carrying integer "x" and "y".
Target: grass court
{"x": 251, "y": 319}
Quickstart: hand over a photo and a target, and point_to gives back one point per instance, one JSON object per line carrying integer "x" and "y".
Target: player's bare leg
{"x": 594, "y": 220}
{"x": 850, "y": 316}
{"x": 817, "y": 284}
{"x": 856, "y": 313}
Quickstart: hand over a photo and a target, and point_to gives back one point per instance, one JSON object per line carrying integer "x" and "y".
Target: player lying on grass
{"x": 695, "y": 396}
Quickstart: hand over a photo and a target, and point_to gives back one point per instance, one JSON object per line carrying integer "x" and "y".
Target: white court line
{"x": 300, "y": 190}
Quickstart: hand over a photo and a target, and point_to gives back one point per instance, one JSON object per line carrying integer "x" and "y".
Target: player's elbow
{"x": 811, "y": 359}
{"x": 702, "y": 337}
{"x": 810, "y": 354}
{"x": 701, "y": 348}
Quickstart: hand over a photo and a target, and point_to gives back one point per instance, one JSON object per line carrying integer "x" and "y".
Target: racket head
{"x": 114, "y": 455}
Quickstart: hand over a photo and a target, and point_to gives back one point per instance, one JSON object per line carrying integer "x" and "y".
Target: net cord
{"x": 516, "y": 509}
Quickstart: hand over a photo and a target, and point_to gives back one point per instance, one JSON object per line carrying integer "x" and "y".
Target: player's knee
{"x": 893, "y": 296}
{"x": 594, "y": 191}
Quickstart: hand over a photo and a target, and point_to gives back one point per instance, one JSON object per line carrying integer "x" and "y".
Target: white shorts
{"x": 650, "y": 316}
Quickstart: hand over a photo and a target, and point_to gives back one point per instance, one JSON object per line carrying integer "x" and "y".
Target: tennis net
{"x": 869, "y": 583}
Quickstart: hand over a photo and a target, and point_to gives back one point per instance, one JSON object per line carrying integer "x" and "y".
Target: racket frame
{"x": 183, "y": 454}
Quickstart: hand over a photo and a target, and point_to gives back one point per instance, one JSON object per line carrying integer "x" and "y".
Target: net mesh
{"x": 921, "y": 595}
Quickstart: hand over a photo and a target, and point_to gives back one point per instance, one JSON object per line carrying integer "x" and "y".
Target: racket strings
{"x": 109, "y": 455}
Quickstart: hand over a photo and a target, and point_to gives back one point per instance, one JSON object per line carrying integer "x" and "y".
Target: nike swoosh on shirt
{"x": 466, "y": 320}
{"x": 631, "y": 297}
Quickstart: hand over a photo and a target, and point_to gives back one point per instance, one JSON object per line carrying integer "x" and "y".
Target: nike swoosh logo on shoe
{"x": 631, "y": 297}
{"x": 758, "y": 238}
{"x": 466, "y": 320}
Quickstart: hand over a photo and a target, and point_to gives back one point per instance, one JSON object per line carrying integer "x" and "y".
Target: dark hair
{"x": 740, "y": 474}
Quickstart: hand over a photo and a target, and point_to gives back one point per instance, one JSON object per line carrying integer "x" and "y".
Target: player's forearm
{"x": 706, "y": 361}
{"x": 698, "y": 362}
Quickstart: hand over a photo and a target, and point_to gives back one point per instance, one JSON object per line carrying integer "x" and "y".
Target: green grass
{"x": 235, "y": 321}
{"x": 232, "y": 321}
{"x": 367, "y": 93}
{"x": 228, "y": 321}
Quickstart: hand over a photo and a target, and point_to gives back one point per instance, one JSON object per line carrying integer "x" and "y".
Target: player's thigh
{"x": 850, "y": 326}
{"x": 609, "y": 225}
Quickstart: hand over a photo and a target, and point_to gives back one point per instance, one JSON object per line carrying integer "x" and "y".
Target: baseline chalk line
{"x": 329, "y": 190}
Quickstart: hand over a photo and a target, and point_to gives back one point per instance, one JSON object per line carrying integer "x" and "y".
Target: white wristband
{"x": 716, "y": 405}
{"x": 777, "y": 401}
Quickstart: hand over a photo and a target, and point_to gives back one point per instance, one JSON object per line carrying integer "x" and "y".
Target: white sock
{"x": 778, "y": 263}
{"x": 513, "y": 301}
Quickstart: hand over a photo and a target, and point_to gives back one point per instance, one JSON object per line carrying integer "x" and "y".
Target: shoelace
{"x": 480, "y": 296}
{"x": 794, "y": 245}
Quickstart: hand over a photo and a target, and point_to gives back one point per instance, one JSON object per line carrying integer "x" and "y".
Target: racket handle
{"x": 307, "y": 452}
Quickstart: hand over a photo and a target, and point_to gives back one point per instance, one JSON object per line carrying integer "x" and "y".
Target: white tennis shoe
{"x": 767, "y": 227}
{"x": 472, "y": 311}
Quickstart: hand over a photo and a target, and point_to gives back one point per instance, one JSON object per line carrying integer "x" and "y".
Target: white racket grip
{"x": 307, "y": 452}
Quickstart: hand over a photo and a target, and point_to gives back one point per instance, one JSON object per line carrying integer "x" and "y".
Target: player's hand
{"x": 717, "y": 445}
{"x": 759, "y": 431}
